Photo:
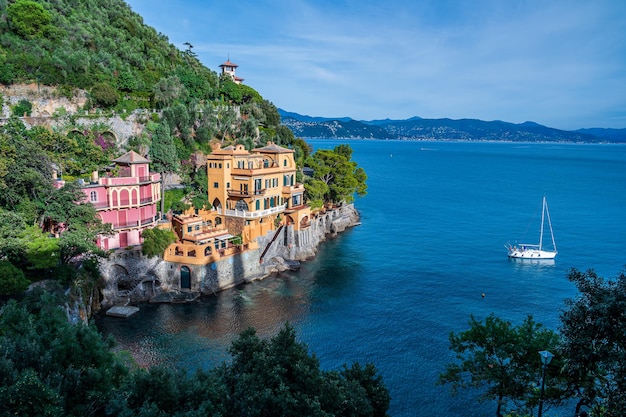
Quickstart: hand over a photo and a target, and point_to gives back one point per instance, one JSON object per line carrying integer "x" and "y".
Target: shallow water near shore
{"x": 431, "y": 243}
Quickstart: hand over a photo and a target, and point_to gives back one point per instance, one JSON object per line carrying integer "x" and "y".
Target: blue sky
{"x": 560, "y": 63}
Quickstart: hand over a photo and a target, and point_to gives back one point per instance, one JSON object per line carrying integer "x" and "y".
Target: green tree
{"x": 12, "y": 279}
{"x": 104, "y": 95}
{"x": 592, "y": 328}
{"x": 11, "y": 244}
{"x": 279, "y": 377}
{"x": 156, "y": 240}
{"x": 28, "y": 18}
{"x": 168, "y": 90}
{"x": 163, "y": 155}
{"x": 42, "y": 251}
{"x": 339, "y": 173}
{"x": 49, "y": 367}
{"x": 502, "y": 361}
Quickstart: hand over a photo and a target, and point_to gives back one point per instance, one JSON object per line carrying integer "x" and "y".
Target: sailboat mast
{"x": 550, "y": 224}
{"x": 543, "y": 210}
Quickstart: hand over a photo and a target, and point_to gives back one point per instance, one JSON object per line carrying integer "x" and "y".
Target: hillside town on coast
{"x": 258, "y": 222}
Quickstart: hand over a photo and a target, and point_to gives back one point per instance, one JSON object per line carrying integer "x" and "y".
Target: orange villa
{"x": 251, "y": 194}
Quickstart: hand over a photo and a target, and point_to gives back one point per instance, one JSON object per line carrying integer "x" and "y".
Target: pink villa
{"x": 128, "y": 201}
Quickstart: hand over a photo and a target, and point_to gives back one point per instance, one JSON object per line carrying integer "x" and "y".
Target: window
{"x": 258, "y": 204}
{"x": 93, "y": 196}
{"x": 216, "y": 185}
{"x": 220, "y": 165}
{"x": 227, "y": 185}
{"x": 285, "y": 162}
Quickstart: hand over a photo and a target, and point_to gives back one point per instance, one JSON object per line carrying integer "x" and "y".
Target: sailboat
{"x": 536, "y": 251}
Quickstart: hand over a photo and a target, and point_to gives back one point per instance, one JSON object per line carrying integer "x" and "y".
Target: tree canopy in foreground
{"x": 502, "y": 363}
{"x": 49, "y": 367}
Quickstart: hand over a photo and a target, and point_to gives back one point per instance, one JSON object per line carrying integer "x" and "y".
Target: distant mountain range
{"x": 417, "y": 128}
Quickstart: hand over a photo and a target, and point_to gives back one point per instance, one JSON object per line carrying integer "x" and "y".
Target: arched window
{"x": 241, "y": 205}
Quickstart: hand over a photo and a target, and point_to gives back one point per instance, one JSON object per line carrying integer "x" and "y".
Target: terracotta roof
{"x": 228, "y": 64}
{"x": 131, "y": 157}
{"x": 273, "y": 148}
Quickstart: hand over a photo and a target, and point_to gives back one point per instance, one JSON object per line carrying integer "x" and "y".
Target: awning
{"x": 224, "y": 237}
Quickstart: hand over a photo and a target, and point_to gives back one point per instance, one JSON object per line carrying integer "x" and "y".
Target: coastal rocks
{"x": 282, "y": 265}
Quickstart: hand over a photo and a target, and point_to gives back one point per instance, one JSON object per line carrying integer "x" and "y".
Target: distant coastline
{"x": 449, "y": 130}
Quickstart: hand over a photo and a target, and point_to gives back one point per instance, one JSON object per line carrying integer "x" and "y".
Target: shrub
{"x": 12, "y": 279}
{"x": 23, "y": 107}
{"x": 104, "y": 95}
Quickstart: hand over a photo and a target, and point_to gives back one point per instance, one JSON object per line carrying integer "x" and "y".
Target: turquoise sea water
{"x": 434, "y": 224}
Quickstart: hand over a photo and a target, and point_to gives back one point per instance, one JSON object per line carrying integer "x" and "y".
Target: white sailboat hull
{"x": 531, "y": 254}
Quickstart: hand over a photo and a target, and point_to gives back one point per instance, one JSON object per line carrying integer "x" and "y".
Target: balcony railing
{"x": 245, "y": 193}
{"x": 135, "y": 223}
{"x": 252, "y": 214}
{"x": 149, "y": 220}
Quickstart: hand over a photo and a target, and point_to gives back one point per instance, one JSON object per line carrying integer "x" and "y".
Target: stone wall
{"x": 51, "y": 110}
{"x": 131, "y": 277}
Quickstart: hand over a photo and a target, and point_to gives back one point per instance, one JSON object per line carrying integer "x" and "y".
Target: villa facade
{"x": 127, "y": 199}
{"x": 251, "y": 194}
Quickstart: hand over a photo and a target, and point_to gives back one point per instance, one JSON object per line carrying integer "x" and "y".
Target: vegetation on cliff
{"x": 50, "y": 367}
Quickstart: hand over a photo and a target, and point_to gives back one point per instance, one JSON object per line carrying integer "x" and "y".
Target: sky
{"x": 560, "y": 63}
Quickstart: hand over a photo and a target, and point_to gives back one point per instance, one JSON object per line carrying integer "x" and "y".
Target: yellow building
{"x": 251, "y": 193}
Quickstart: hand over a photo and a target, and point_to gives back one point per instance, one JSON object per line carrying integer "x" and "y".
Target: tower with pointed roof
{"x": 229, "y": 69}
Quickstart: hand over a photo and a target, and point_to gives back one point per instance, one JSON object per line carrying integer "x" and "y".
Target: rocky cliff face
{"x": 131, "y": 277}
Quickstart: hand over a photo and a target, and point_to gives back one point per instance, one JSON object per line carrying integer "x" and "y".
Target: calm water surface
{"x": 390, "y": 291}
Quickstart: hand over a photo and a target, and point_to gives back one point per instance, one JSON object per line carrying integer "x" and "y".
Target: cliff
{"x": 131, "y": 277}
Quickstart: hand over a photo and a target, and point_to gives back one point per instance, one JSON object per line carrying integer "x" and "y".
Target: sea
{"x": 429, "y": 254}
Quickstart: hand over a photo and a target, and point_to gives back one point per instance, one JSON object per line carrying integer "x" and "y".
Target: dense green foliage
{"x": 336, "y": 177}
{"x": 156, "y": 240}
{"x": 502, "y": 362}
{"x": 593, "y": 329}
{"x": 12, "y": 279}
{"x": 49, "y": 367}
{"x": 31, "y": 209}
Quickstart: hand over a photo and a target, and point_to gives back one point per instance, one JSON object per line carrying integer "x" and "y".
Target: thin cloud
{"x": 560, "y": 63}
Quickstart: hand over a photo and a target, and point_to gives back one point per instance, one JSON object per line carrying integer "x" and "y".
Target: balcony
{"x": 99, "y": 205}
{"x": 293, "y": 189}
{"x": 252, "y": 214}
{"x": 245, "y": 193}
{"x": 134, "y": 224}
{"x": 121, "y": 181}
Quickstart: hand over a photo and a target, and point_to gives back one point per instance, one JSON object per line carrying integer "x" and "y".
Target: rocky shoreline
{"x": 132, "y": 278}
